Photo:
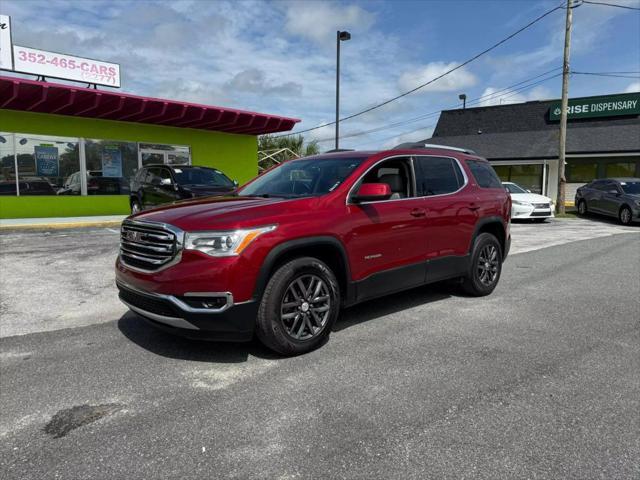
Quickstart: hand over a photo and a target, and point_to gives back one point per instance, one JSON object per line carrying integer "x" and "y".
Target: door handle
{"x": 473, "y": 206}
{"x": 418, "y": 212}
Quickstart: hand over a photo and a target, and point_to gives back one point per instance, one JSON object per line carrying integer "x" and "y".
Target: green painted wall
{"x": 236, "y": 155}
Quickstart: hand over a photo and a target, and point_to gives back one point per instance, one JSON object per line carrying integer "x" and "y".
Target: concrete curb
{"x": 60, "y": 225}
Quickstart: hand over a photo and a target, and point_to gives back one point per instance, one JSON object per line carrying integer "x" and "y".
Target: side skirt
{"x": 410, "y": 276}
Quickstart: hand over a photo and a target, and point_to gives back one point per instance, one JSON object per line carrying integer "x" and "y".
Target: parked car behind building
{"x": 615, "y": 197}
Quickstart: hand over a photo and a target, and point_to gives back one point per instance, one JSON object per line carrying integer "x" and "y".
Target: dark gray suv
{"x": 616, "y": 197}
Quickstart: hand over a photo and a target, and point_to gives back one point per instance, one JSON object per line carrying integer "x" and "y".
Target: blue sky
{"x": 279, "y": 57}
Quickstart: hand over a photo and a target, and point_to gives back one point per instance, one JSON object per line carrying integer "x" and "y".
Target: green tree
{"x": 278, "y": 149}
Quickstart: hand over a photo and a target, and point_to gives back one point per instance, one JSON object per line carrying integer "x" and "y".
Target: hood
{"x": 202, "y": 190}
{"x": 215, "y": 213}
{"x": 530, "y": 197}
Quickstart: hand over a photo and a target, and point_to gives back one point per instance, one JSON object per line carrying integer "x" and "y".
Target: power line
{"x": 611, "y": 5}
{"x": 508, "y": 91}
{"x": 435, "y": 79}
{"x": 605, "y": 74}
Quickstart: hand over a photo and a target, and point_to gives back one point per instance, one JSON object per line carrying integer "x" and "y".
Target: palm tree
{"x": 273, "y": 150}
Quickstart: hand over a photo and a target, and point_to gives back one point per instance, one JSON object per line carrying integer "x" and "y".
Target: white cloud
{"x": 319, "y": 21}
{"x": 633, "y": 88}
{"x": 457, "y": 80}
{"x": 490, "y": 96}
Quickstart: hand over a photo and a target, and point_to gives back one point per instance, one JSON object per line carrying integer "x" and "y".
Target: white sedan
{"x": 528, "y": 205}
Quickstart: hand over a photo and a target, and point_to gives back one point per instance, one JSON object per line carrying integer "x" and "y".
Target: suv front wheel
{"x": 299, "y": 306}
{"x": 486, "y": 266}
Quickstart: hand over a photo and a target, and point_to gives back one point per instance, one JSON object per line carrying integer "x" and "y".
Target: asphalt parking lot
{"x": 538, "y": 380}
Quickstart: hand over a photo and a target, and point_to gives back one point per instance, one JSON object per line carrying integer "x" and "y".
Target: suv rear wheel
{"x": 299, "y": 307}
{"x": 486, "y": 266}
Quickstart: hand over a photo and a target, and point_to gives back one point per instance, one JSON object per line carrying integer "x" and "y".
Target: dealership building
{"x": 521, "y": 140}
{"x": 53, "y": 134}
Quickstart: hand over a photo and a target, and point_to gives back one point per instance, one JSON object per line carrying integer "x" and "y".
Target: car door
{"x": 593, "y": 196}
{"x": 451, "y": 214}
{"x": 610, "y": 198}
{"x": 149, "y": 194}
{"x": 165, "y": 190}
{"x": 386, "y": 239}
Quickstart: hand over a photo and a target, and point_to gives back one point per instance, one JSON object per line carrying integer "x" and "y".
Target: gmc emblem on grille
{"x": 133, "y": 236}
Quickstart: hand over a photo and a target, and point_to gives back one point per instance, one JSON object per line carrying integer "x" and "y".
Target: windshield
{"x": 202, "y": 176}
{"x": 513, "y": 188}
{"x": 303, "y": 178}
{"x": 632, "y": 188}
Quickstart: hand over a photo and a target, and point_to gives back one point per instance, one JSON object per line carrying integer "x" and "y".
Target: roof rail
{"x": 336, "y": 150}
{"x": 410, "y": 146}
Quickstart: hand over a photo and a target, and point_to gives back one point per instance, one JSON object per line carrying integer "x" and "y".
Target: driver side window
{"x": 396, "y": 173}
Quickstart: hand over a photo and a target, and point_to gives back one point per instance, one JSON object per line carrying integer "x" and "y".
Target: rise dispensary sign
{"x": 606, "y": 106}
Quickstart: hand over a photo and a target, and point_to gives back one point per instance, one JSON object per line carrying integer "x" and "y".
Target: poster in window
{"x": 111, "y": 161}
{"x": 47, "y": 164}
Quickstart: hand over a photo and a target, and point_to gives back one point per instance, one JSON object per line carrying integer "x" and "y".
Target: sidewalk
{"x": 61, "y": 222}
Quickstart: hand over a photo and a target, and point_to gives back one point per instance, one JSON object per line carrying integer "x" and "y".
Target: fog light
{"x": 206, "y": 303}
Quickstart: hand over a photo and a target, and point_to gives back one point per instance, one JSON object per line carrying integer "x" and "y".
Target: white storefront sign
{"x": 6, "y": 62}
{"x": 66, "y": 67}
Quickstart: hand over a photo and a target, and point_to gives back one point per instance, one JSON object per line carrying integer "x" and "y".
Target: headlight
{"x": 223, "y": 244}
{"x": 524, "y": 204}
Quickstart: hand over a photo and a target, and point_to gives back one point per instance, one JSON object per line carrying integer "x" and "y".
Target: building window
{"x": 528, "y": 177}
{"x": 621, "y": 169}
{"x": 581, "y": 172}
{"x": 51, "y": 165}
{"x": 110, "y": 166}
{"x": 44, "y": 162}
{"x": 152, "y": 153}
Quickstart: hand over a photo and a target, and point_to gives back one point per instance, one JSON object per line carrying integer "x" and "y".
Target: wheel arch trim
{"x": 291, "y": 245}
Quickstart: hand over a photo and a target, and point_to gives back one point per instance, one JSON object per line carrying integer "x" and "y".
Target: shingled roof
{"x": 524, "y": 131}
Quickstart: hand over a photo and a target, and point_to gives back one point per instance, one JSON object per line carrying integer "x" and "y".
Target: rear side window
{"x": 437, "y": 176}
{"x": 484, "y": 174}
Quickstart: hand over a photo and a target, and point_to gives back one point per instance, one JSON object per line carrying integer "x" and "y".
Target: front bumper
{"x": 226, "y": 322}
{"x": 529, "y": 211}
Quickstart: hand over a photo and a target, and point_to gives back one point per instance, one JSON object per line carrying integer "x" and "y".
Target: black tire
{"x": 625, "y": 215}
{"x": 476, "y": 283}
{"x": 279, "y": 333}
{"x": 582, "y": 207}
{"x": 135, "y": 207}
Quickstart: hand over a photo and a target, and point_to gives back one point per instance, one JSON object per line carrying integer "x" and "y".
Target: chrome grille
{"x": 148, "y": 246}
{"x": 541, "y": 205}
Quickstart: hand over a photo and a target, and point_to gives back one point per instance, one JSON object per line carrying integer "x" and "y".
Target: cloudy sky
{"x": 279, "y": 57}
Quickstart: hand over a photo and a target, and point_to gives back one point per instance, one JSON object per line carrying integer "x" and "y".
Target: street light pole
{"x": 340, "y": 36}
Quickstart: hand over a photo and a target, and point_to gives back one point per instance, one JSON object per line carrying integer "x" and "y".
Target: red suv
{"x": 288, "y": 250}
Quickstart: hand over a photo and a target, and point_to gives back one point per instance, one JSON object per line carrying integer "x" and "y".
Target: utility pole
{"x": 562, "y": 180}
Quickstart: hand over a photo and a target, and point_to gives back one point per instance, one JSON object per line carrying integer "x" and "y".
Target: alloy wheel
{"x": 488, "y": 263}
{"x": 305, "y": 307}
{"x": 582, "y": 208}
{"x": 625, "y": 216}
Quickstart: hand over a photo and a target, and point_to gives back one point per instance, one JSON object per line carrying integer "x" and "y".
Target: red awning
{"x": 44, "y": 97}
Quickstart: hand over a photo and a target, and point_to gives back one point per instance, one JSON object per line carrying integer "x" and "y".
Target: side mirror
{"x": 235, "y": 183}
{"x": 370, "y": 192}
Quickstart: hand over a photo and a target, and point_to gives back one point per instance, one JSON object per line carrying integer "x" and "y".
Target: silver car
{"x": 616, "y": 197}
